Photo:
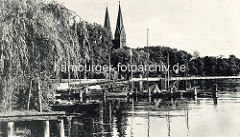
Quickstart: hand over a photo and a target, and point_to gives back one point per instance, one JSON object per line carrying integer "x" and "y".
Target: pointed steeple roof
{"x": 119, "y": 27}
{"x": 107, "y": 21}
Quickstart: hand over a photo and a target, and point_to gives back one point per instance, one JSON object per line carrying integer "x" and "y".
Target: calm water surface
{"x": 176, "y": 118}
{"x": 139, "y": 118}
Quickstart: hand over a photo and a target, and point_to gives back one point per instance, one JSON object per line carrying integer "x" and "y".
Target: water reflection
{"x": 168, "y": 119}
{"x": 186, "y": 116}
{"x": 159, "y": 118}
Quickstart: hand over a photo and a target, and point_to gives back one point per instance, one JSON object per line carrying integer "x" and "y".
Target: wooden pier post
{"x": 195, "y": 93}
{"x": 141, "y": 83}
{"x": 81, "y": 95}
{"x": 69, "y": 122}
{"x": 149, "y": 96}
{"x": 61, "y": 128}
{"x": 215, "y": 91}
{"x": 215, "y": 101}
{"x": 10, "y": 129}
{"x": 215, "y": 94}
{"x": 46, "y": 129}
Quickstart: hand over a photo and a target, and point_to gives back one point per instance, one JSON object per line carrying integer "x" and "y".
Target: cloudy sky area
{"x": 211, "y": 27}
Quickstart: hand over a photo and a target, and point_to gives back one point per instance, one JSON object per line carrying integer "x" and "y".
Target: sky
{"x": 211, "y": 27}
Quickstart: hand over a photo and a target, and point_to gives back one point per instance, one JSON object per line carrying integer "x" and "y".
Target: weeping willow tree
{"x": 99, "y": 39}
{"x": 33, "y": 37}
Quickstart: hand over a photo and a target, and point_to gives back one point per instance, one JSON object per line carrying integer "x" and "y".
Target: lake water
{"x": 139, "y": 118}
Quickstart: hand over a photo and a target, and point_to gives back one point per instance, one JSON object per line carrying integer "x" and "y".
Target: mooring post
{"x": 216, "y": 87}
{"x": 190, "y": 85}
{"x": 195, "y": 93}
{"x": 81, "y": 95}
{"x": 61, "y": 128}
{"x": 215, "y": 91}
{"x": 215, "y": 101}
{"x": 10, "y": 129}
{"x": 149, "y": 96}
{"x": 69, "y": 122}
{"x": 215, "y": 94}
{"x": 46, "y": 129}
{"x": 141, "y": 83}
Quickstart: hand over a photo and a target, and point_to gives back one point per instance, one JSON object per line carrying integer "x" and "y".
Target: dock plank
{"x": 26, "y": 116}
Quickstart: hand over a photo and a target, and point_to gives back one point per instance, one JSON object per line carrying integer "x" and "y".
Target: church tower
{"x": 107, "y": 22}
{"x": 120, "y": 34}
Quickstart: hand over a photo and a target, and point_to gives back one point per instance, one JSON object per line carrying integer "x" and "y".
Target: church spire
{"x": 120, "y": 35}
{"x": 107, "y": 21}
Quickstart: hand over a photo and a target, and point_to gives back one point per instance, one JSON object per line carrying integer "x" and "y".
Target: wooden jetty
{"x": 76, "y": 85}
{"x": 33, "y": 116}
{"x": 186, "y": 78}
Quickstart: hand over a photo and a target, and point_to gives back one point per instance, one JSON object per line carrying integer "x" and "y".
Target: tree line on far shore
{"x": 195, "y": 64}
{"x": 35, "y": 36}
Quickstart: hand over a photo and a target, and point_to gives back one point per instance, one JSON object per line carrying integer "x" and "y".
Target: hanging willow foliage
{"x": 34, "y": 36}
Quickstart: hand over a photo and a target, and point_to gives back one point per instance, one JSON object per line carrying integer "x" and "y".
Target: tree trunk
{"x": 29, "y": 95}
{"x": 39, "y": 96}
{"x": 11, "y": 92}
{"x": 85, "y": 73}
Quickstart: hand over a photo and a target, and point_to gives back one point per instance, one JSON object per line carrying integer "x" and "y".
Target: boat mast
{"x": 168, "y": 73}
{"x": 186, "y": 73}
{"x": 68, "y": 69}
{"x": 149, "y": 92}
{"x": 109, "y": 66}
{"x": 131, "y": 62}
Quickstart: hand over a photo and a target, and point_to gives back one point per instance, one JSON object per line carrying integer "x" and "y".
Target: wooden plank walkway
{"x": 76, "y": 84}
{"x": 186, "y": 78}
{"x": 31, "y": 116}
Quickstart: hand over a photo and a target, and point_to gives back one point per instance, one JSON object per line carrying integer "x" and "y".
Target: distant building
{"x": 119, "y": 40}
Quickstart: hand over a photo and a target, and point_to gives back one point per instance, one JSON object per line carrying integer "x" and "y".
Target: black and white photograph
{"x": 119, "y": 68}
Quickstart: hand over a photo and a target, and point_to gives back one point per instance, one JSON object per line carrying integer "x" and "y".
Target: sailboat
{"x": 167, "y": 90}
{"x": 116, "y": 88}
